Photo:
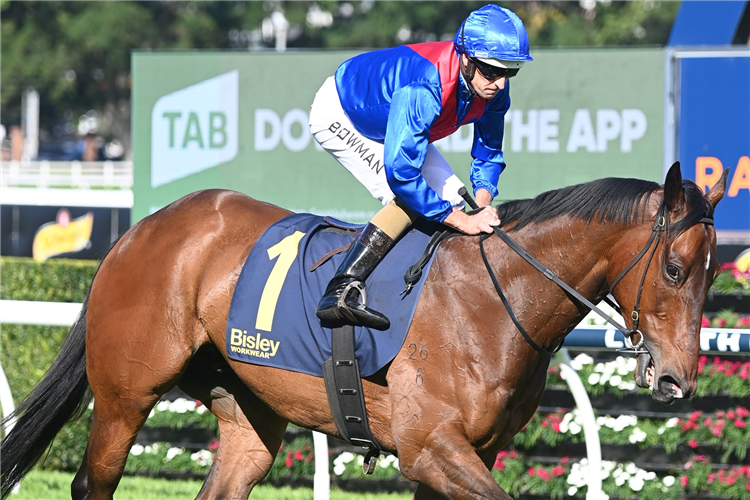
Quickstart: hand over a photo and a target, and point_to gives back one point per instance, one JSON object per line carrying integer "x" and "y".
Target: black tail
{"x": 61, "y": 396}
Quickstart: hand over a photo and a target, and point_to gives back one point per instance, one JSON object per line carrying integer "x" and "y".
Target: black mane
{"x": 608, "y": 200}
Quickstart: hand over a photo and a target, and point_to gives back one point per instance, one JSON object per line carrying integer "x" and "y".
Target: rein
{"x": 660, "y": 226}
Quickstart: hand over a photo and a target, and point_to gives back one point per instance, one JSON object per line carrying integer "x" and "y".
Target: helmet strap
{"x": 470, "y": 68}
{"x": 468, "y": 72}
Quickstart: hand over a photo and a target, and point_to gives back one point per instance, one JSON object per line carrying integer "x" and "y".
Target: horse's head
{"x": 672, "y": 287}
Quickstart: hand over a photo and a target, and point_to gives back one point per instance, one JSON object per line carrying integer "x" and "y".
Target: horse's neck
{"x": 578, "y": 253}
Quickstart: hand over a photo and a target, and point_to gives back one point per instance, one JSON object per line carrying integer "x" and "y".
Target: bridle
{"x": 661, "y": 225}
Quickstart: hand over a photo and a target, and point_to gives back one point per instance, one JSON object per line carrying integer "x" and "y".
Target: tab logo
{"x": 194, "y": 129}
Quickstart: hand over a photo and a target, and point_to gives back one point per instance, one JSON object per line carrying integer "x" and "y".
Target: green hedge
{"x": 29, "y": 350}
{"x": 57, "y": 280}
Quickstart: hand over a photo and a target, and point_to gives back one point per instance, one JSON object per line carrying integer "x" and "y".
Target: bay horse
{"x": 156, "y": 314}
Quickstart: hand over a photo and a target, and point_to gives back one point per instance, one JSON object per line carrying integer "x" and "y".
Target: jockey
{"x": 379, "y": 115}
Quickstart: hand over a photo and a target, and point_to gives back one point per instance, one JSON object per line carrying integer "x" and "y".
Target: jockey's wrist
{"x": 483, "y": 197}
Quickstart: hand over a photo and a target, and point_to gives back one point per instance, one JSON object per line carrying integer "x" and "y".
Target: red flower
{"x": 684, "y": 481}
{"x": 213, "y": 445}
{"x": 557, "y": 471}
{"x": 695, "y": 416}
{"x": 530, "y": 471}
{"x": 705, "y": 322}
{"x": 556, "y": 426}
{"x": 543, "y": 475}
{"x": 716, "y": 431}
{"x": 728, "y": 266}
{"x": 564, "y": 460}
{"x": 288, "y": 462}
{"x": 693, "y": 443}
{"x": 298, "y": 455}
{"x": 742, "y": 411}
{"x": 739, "y": 423}
{"x": 730, "y": 415}
{"x": 711, "y": 478}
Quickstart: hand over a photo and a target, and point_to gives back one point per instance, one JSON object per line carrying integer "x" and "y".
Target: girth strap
{"x": 345, "y": 396}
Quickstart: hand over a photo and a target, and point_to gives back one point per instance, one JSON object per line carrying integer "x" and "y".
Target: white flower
{"x": 668, "y": 481}
{"x": 672, "y": 422}
{"x": 627, "y": 386}
{"x": 345, "y": 458}
{"x": 636, "y": 483}
{"x": 581, "y": 360}
{"x": 202, "y": 457}
{"x": 575, "y": 428}
{"x": 136, "y": 450}
{"x": 201, "y": 410}
{"x": 151, "y": 413}
{"x": 162, "y": 406}
{"x": 638, "y": 436}
{"x": 572, "y": 491}
{"x": 181, "y": 405}
{"x": 631, "y": 468}
{"x": 338, "y": 468}
{"x": 173, "y": 452}
{"x": 615, "y": 381}
{"x": 594, "y": 378}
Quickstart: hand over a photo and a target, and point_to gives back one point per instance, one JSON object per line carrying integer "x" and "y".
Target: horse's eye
{"x": 673, "y": 272}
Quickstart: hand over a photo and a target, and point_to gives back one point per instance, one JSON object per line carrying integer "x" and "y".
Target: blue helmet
{"x": 494, "y": 35}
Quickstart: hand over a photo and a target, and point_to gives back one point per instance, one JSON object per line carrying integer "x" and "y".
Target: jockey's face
{"x": 485, "y": 87}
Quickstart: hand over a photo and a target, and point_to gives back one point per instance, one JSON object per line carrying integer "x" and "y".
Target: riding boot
{"x": 341, "y": 304}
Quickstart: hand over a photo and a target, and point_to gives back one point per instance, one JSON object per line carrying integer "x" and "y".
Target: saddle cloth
{"x": 272, "y": 319}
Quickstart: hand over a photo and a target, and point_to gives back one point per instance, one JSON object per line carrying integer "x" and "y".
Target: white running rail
{"x": 75, "y": 174}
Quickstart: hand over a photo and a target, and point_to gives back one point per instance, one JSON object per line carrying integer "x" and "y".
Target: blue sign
{"x": 713, "y": 340}
{"x": 714, "y": 130}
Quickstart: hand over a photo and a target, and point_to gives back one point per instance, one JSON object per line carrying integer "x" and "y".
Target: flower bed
{"x": 716, "y": 376}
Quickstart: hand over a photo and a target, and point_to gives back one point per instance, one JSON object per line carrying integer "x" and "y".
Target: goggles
{"x": 492, "y": 73}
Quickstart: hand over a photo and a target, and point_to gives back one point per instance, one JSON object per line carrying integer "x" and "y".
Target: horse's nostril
{"x": 667, "y": 384}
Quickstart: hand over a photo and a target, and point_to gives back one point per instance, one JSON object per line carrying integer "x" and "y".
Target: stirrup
{"x": 357, "y": 285}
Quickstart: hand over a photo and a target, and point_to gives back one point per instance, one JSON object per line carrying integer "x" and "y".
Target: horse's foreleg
{"x": 447, "y": 466}
{"x": 251, "y": 433}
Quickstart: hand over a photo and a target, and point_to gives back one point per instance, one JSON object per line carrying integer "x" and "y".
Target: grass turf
{"x": 45, "y": 485}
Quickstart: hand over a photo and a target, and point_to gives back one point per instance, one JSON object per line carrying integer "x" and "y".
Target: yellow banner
{"x": 62, "y": 236}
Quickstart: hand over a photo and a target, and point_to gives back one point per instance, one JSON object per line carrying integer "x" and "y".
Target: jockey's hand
{"x": 481, "y": 222}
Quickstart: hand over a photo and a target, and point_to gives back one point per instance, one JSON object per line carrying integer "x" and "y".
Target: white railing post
{"x": 322, "y": 478}
{"x": 590, "y": 429}
{"x": 7, "y": 406}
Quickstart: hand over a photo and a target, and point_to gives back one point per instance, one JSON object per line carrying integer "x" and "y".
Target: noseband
{"x": 661, "y": 225}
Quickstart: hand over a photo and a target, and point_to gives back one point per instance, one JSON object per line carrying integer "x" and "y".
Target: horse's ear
{"x": 716, "y": 193}
{"x": 674, "y": 194}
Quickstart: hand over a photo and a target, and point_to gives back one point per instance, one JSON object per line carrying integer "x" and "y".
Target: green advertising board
{"x": 239, "y": 121}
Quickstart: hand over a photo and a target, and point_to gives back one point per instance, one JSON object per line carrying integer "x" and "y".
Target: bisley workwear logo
{"x": 194, "y": 128}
